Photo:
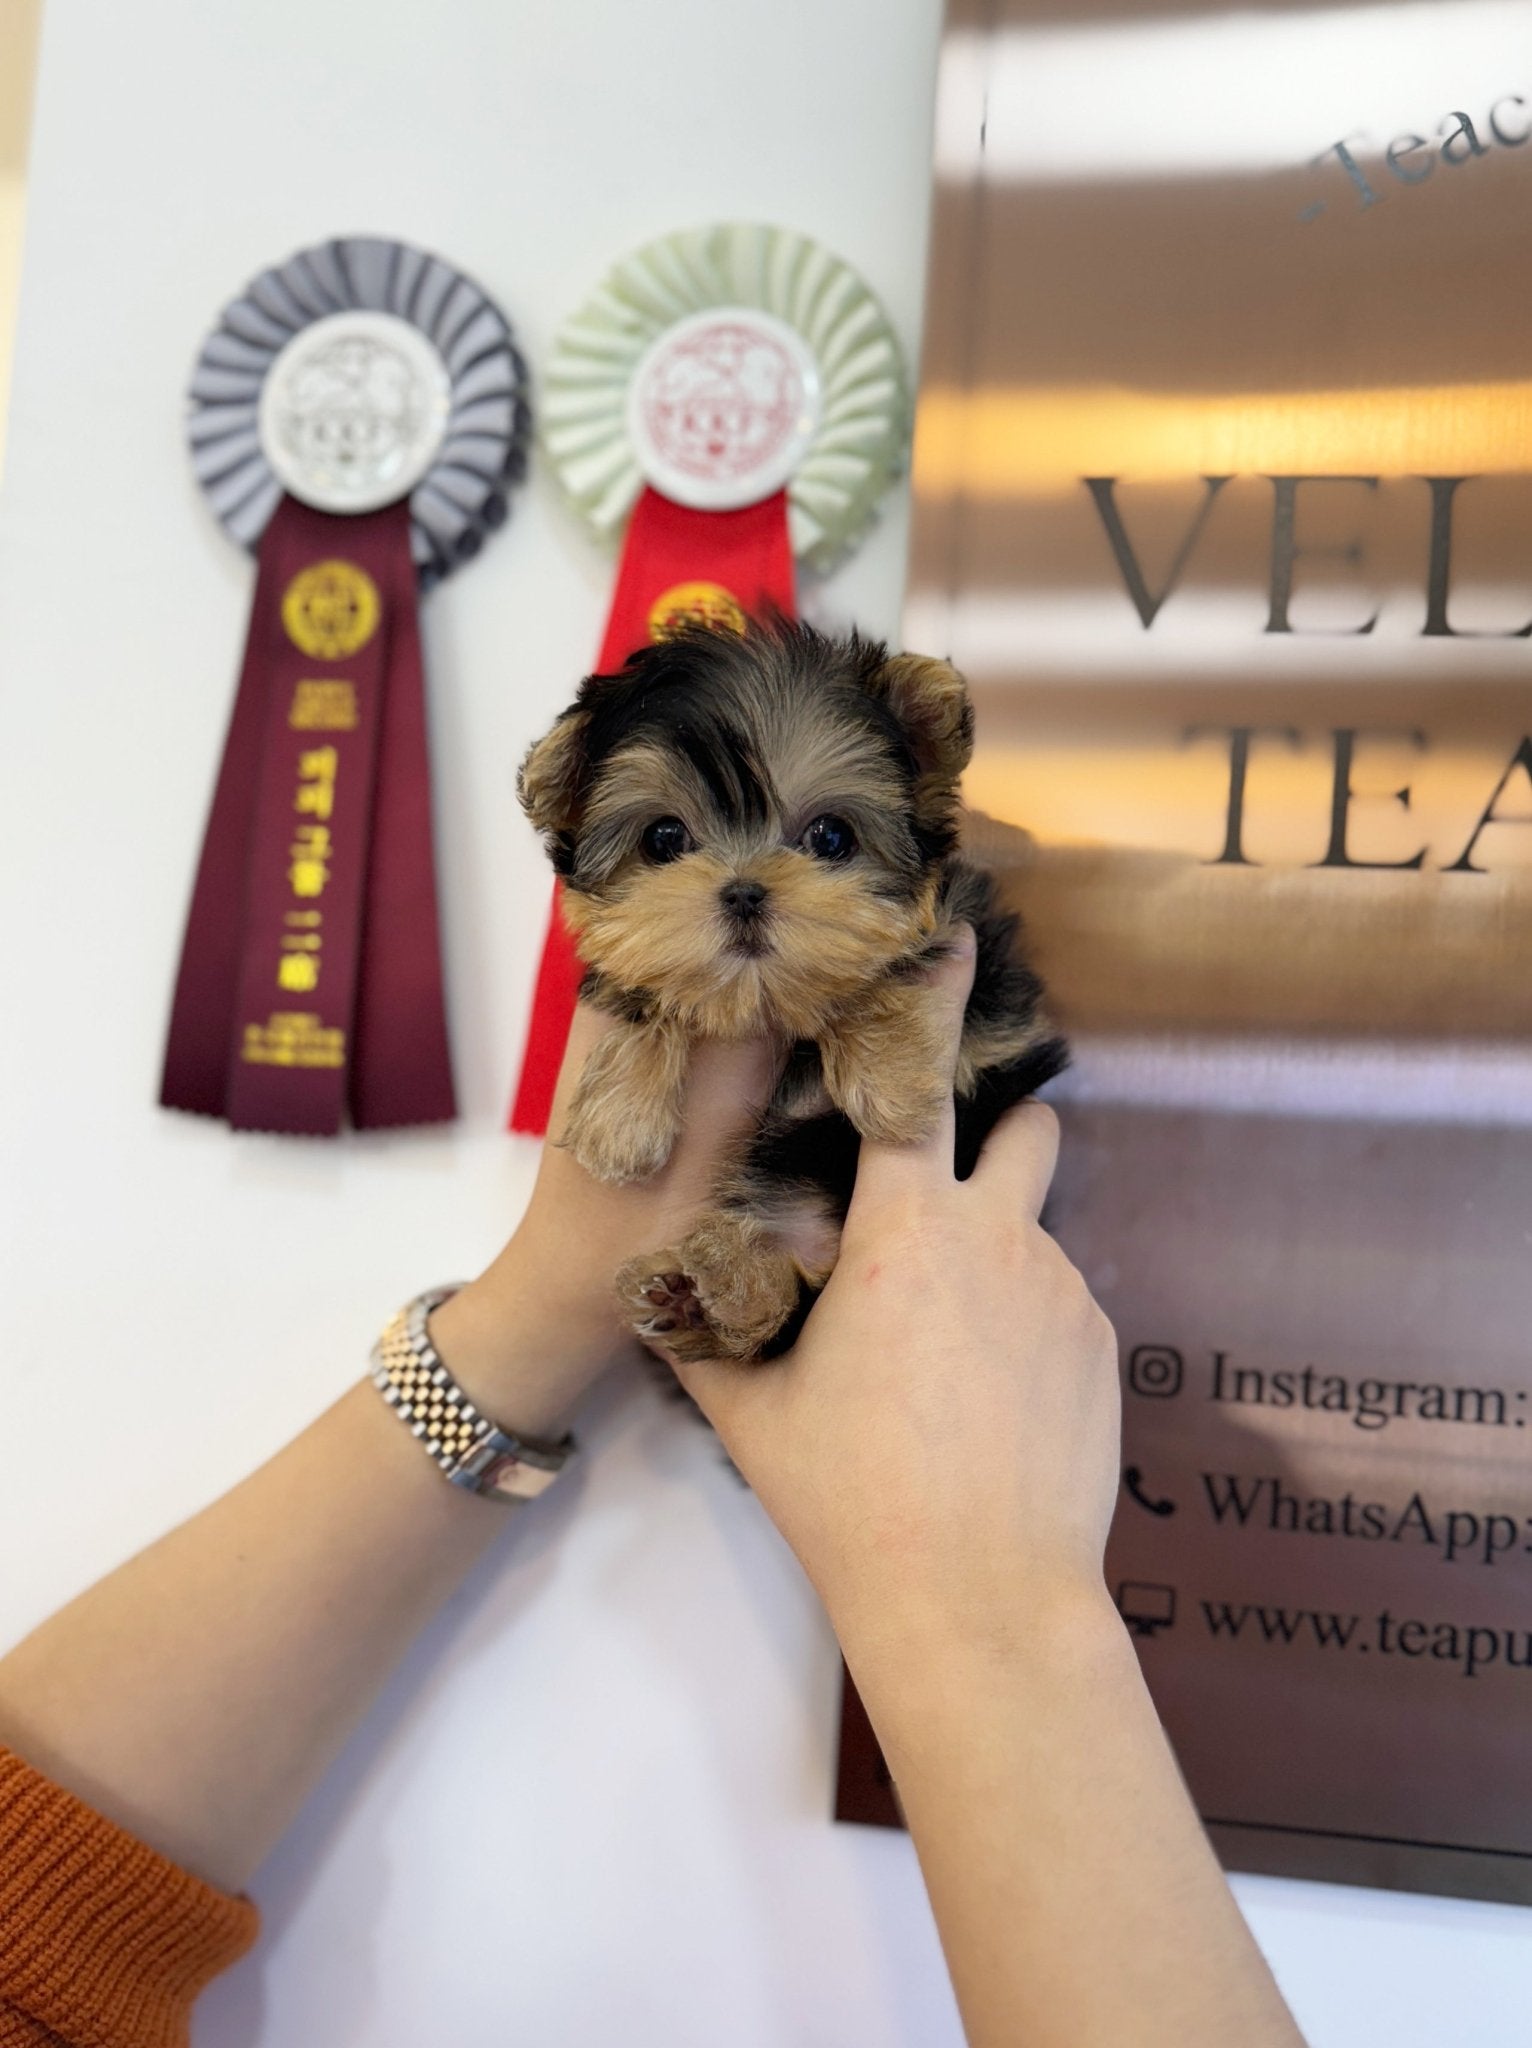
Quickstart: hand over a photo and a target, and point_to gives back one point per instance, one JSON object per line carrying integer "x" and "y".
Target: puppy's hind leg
{"x": 724, "y": 1292}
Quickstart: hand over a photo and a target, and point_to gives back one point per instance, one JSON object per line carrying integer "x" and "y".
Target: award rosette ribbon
{"x": 357, "y": 418}
{"x": 727, "y": 400}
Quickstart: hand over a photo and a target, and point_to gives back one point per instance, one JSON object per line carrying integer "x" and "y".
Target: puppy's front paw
{"x": 666, "y": 1305}
{"x": 661, "y": 1299}
{"x": 725, "y": 1293}
{"x": 627, "y": 1107}
{"x": 615, "y": 1147}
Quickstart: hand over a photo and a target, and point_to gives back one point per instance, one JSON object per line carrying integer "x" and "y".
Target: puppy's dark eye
{"x": 666, "y": 839}
{"x": 829, "y": 838}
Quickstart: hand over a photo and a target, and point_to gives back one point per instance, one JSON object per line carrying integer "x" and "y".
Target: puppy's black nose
{"x": 744, "y": 900}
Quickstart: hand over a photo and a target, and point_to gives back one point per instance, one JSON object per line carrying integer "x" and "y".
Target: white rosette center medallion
{"x": 722, "y": 408}
{"x": 354, "y": 411}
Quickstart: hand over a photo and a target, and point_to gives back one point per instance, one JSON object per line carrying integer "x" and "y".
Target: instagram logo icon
{"x": 1155, "y": 1371}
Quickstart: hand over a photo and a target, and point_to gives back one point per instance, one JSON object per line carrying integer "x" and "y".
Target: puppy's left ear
{"x": 552, "y": 777}
{"x": 930, "y": 700}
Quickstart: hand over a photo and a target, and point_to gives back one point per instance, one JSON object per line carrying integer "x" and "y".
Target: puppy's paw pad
{"x": 662, "y": 1303}
{"x": 674, "y": 1298}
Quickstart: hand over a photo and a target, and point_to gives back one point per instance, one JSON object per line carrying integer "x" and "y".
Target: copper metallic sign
{"x": 1223, "y": 488}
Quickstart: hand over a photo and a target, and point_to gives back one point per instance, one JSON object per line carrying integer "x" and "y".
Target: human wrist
{"x": 920, "y": 1665}
{"x": 515, "y": 1358}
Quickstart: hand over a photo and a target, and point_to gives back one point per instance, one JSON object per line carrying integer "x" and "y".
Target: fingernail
{"x": 964, "y": 942}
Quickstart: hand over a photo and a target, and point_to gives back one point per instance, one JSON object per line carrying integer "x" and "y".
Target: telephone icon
{"x": 1133, "y": 1479}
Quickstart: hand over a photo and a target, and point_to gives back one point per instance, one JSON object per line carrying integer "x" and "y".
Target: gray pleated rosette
{"x": 358, "y": 370}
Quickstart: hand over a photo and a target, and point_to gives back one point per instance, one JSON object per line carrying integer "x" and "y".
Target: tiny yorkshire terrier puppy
{"x": 756, "y": 834}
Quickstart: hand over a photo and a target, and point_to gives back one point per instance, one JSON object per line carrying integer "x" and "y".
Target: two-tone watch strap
{"x": 472, "y": 1451}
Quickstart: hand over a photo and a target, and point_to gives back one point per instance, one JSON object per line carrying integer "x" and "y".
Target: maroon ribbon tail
{"x": 310, "y": 975}
{"x": 401, "y": 1072}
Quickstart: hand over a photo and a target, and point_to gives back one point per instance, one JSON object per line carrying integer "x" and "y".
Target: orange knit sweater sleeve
{"x": 104, "y": 1943}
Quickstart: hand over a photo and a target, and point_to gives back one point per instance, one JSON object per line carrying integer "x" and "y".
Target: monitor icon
{"x": 1145, "y": 1606}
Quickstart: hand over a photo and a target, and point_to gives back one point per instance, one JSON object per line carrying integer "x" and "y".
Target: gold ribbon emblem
{"x": 330, "y": 610}
{"x": 695, "y": 604}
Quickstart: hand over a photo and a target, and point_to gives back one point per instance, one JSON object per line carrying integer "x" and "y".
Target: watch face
{"x": 507, "y": 1474}
{"x": 503, "y": 1472}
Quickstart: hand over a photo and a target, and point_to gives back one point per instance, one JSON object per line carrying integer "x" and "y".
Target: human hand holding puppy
{"x": 941, "y": 1450}
{"x": 940, "y": 1446}
{"x": 532, "y": 1333}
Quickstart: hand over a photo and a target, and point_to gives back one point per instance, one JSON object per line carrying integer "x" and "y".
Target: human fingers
{"x": 730, "y": 1395}
{"x": 885, "y": 1170}
{"x": 1019, "y": 1157}
{"x": 727, "y": 1086}
{"x": 729, "y": 1079}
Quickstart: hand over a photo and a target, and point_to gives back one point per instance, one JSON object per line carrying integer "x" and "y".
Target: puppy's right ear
{"x": 930, "y": 700}
{"x": 551, "y": 783}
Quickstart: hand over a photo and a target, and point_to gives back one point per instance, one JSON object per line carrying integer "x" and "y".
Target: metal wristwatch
{"x": 474, "y": 1452}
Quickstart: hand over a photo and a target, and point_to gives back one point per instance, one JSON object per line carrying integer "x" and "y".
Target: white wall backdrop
{"x": 592, "y": 1808}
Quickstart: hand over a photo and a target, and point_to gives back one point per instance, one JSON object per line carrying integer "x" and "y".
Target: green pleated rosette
{"x": 861, "y": 435}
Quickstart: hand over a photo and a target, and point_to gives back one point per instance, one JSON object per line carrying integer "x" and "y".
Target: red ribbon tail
{"x": 553, "y": 1000}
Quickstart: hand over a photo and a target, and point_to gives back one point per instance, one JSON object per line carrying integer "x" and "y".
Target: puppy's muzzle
{"x": 744, "y": 906}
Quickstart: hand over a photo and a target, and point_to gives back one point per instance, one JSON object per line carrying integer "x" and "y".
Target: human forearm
{"x": 1077, "y": 1898}
{"x": 196, "y": 1693}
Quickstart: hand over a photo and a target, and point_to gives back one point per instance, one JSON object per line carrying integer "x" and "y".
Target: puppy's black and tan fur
{"x": 757, "y": 834}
